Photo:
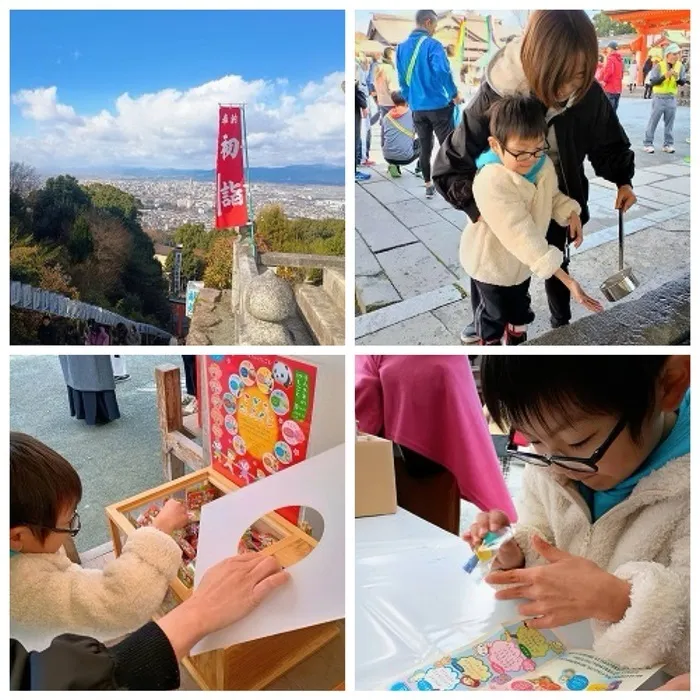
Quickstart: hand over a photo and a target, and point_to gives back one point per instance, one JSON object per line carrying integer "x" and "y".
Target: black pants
{"x": 358, "y": 138}
{"x": 428, "y": 122}
{"x": 190, "y": 362}
{"x": 416, "y": 154}
{"x": 495, "y": 307}
{"x": 647, "y": 91}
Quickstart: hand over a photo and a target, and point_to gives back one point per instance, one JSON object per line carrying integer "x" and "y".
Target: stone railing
{"x": 265, "y": 309}
{"x": 660, "y": 317}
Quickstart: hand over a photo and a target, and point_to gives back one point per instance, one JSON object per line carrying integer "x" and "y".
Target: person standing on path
{"x": 633, "y": 76}
{"x": 360, "y": 112}
{"x": 90, "y": 383}
{"x": 426, "y": 82}
{"x": 556, "y": 61}
{"x": 611, "y": 79}
{"x": 385, "y": 81}
{"x": 665, "y": 77}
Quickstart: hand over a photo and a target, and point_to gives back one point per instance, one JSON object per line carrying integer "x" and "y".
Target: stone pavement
{"x": 411, "y": 290}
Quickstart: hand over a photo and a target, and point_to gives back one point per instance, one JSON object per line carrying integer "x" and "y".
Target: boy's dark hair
{"x": 519, "y": 390}
{"x": 517, "y": 116}
{"x": 42, "y": 484}
{"x": 397, "y": 98}
{"x": 388, "y": 51}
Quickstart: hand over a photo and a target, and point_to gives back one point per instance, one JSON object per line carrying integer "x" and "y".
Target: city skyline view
{"x": 97, "y": 89}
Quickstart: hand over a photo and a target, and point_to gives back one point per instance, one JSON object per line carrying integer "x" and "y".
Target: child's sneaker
{"x": 468, "y": 335}
{"x": 668, "y": 149}
{"x": 515, "y": 335}
{"x": 394, "y": 170}
{"x": 430, "y": 191}
{"x": 362, "y": 177}
{"x": 649, "y": 149}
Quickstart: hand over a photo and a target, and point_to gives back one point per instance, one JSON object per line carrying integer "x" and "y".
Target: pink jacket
{"x": 430, "y": 405}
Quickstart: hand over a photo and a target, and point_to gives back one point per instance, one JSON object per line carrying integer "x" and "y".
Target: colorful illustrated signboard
{"x": 260, "y": 409}
{"x": 517, "y": 657}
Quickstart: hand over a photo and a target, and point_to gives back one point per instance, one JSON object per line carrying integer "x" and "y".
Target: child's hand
{"x": 550, "y": 589}
{"x": 677, "y": 683}
{"x": 173, "y": 516}
{"x": 582, "y": 298}
{"x": 575, "y": 229}
{"x": 509, "y": 556}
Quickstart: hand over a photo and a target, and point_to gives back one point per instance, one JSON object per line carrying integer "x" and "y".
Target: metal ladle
{"x": 623, "y": 282}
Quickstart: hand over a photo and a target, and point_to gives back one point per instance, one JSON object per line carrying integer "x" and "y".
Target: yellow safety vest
{"x": 670, "y": 85}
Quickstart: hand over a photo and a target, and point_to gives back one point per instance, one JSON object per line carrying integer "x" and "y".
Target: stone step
{"x": 334, "y": 286}
{"x": 325, "y": 319}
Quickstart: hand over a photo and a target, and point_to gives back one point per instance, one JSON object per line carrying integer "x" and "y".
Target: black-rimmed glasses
{"x": 524, "y": 156}
{"x": 73, "y": 526}
{"x": 573, "y": 464}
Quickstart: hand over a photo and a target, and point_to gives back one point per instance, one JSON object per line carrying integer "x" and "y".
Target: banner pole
{"x": 249, "y": 189}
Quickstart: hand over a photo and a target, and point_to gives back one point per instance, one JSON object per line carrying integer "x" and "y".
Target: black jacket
{"x": 590, "y": 128}
{"x": 143, "y": 661}
{"x": 360, "y": 104}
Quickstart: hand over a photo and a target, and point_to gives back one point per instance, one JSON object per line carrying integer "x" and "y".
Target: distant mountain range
{"x": 290, "y": 175}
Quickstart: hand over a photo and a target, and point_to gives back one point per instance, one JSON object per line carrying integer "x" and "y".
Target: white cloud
{"x": 173, "y": 128}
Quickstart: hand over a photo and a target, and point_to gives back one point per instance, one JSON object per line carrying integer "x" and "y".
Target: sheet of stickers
{"x": 517, "y": 657}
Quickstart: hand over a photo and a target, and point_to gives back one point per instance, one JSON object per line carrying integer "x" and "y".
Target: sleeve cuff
{"x": 549, "y": 263}
{"x": 145, "y": 660}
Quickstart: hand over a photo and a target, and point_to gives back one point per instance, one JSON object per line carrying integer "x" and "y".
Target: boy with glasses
{"x": 603, "y": 529}
{"x": 49, "y": 594}
{"x": 516, "y": 190}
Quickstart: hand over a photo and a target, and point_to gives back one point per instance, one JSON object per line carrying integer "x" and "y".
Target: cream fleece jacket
{"x": 508, "y": 244}
{"x": 50, "y": 595}
{"x": 644, "y": 540}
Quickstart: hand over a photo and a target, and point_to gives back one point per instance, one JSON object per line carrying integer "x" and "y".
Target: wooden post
{"x": 169, "y": 402}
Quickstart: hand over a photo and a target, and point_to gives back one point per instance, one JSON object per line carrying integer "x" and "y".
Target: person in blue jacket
{"x": 426, "y": 82}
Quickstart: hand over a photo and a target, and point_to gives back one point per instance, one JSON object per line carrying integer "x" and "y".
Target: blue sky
{"x": 69, "y": 67}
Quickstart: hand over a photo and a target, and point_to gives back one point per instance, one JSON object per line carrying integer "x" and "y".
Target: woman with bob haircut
{"x": 554, "y": 61}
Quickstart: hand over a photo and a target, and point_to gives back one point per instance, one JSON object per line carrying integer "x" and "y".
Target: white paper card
{"x": 316, "y": 592}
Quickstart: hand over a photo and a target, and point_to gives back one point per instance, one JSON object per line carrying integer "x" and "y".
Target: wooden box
{"x": 252, "y": 665}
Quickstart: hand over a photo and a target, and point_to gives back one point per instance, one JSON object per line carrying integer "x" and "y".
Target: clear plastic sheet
{"x": 415, "y": 603}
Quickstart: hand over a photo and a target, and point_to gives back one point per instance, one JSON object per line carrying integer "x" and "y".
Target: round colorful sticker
{"x": 577, "y": 682}
{"x": 231, "y": 424}
{"x": 229, "y": 403}
{"x": 235, "y": 385}
{"x": 269, "y": 462}
{"x": 292, "y": 433}
{"x": 279, "y": 402}
{"x": 596, "y": 686}
{"x": 265, "y": 380}
{"x": 521, "y": 685}
{"x": 247, "y": 372}
{"x": 239, "y": 445}
{"x": 283, "y": 452}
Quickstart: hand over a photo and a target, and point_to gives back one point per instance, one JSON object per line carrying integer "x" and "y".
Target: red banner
{"x": 231, "y": 199}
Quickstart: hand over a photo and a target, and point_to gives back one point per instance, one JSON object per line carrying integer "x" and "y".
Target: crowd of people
{"x": 71, "y": 331}
{"x": 513, "y": 158}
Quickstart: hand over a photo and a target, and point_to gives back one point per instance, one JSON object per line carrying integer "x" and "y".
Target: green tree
{"x": 20, "y": 217}
{"x": 56, "y": 207}
{"x": 217, "y": 273}
{"x": 80, "y": 243}
{"x": 271, "y": 228}
{"x": 114, "y": 200}
{"x": 604, "y": 26}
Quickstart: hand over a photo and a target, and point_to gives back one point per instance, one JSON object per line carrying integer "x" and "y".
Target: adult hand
{"x": 229, "y": 591}
{"x": 509, "y": 556}
{"x": 669, "y": 74}
{"x": 365, "y": 112}
{"x": 567, "y": 589}
{"x": 625, "y": 198}
{"x": 677, "y": 683}
{"x": 458, "y": 99}
{"x": 172, "y": 516}
{"x": 584, "y": 299}
{"x": 575, "y": 229}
